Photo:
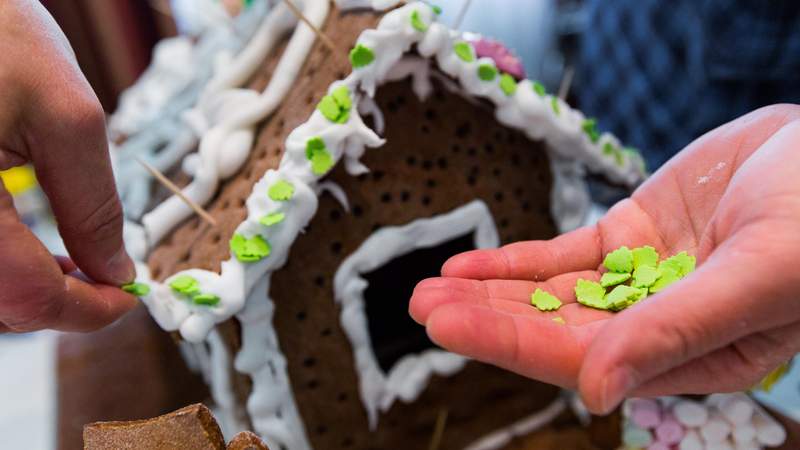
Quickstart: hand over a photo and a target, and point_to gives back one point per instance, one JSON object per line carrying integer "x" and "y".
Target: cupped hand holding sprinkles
{"x": 51, "y": 119}
{"x": 648, "y": 325}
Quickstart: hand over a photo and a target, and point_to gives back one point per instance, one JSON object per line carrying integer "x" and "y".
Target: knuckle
{"x": 86, "y": 115}
{"x": 102, "y": 223}
{"x": 34, "y": 311}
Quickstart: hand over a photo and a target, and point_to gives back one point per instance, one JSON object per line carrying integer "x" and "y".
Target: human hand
{"x": 732, "y": 198}
{"x": 51, "y": 118}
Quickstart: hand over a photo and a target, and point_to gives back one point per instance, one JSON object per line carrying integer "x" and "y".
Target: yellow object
{"x": 773, "y": 377}
{"x": 18, "y": 179}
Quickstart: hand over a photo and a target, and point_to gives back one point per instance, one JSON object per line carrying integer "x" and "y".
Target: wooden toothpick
{"x": 325, "y": 39}
{"x": 566, "y": 82}
{"x": 438, "y": 430}
{"x": 177, "y": 191}
{"x": 461, "y": 14}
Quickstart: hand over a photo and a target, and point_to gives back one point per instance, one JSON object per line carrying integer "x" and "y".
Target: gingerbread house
{"x": 338, "y": 177}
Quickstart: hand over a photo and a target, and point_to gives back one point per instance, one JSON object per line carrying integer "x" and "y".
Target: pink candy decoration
{"x": 658, "y": 446}
{"x": 645, "y": 413}
{"x": 670, "y": 431}
{"x": 503, "y": 58}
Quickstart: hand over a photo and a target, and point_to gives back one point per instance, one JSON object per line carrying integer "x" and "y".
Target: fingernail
{"x": 121, "y": 268}
{"x": 616, "y": 386}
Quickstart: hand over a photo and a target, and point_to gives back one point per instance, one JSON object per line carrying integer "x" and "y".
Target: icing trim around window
{"x": 410, "y": 375}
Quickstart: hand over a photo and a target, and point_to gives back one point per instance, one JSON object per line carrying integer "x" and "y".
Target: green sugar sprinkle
{"x": 185, "y": 284}
{"x": 648, "y": 277}
{"x": 417, "y": 22}
{"x": 560, "y": 320}
{"x": 555, "y": 105}
{"x": 668, "y": 275}
{"x": 336, "y": 105}
{"x": 544, "y": 301}
{"x": 436, "y": 9}
{"x": 320, "y": 157}
{"x": 590, "y": 128}
{"x": 645, "y": 256}
{"x": 361, "y": 56}
{"x": 464, "y": 51}
{"x": 321, "y": 162}
{"x": 272, "y": 219}
{"x": 624, "y": 296}
{"x": 314, "y": 145}
{"x": 620, "y": 260}
{"x": 508, "y": 84}
{"x": 539, "y": 89}
{"x": 249, "y": 250}
{"x": 281, "y": 191}
{"x": 610, "y": 279}
{"x": 645, "y": 276}
{"x": 205, "y": 300}
{"x": 682, "y": 263}
{"x": 591, "y": 294}
{"x": 487, "y": 72}
{"x": 137, "y": 289}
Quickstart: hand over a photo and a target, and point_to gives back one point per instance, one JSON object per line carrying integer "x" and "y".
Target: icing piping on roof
{"x": 525, "y": 110}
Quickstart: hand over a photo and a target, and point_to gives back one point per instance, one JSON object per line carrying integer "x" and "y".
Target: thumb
{"x": 724, "y": 300}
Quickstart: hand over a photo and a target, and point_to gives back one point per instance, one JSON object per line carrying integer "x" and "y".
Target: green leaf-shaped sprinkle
{"x": 645, "y": 256}
{"x": 591, "y": 294}
{"x": 555, "y": 105}
{"x": 249, "y": 250}
{"x": 590, "y": 128}
{"x": 487, "y": 72}
{"x": 544, "y": 301}
{"x": 436, "y": 9}
{"x": 668, "y": 275}
{"x": 539, "y": 88}
{"x": 645, "y": 276}
{"x": 612, "y": 279}
{"x": 336, "y": 106}
{"x": 464, "y": 51}
{"x": 185, "y": 284}
{"x": 272, "y": 219}
{"x": 508, "y": 84}
{"x": 417, "y": 22}
{"x": 321, "y": 162}
{"x": 313, "y": 145}
{"x": 281, "y": 191}
{"x": 361, "y": 56}
{"x": 620, "y": 260}
{"x": 682, "y": 263}
{"x": 137, "y": 289}
{"x": 205, "y": 300}
{"x": 623, "y": 296}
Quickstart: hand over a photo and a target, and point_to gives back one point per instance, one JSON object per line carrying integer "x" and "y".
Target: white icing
{"x": 271, "y": 404}
{"x": 221, "y": 385}
{"x": 527, "y": 425}
{"x": 409, "y": 376}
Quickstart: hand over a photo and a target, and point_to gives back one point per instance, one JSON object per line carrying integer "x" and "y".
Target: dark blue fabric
{"x": 660, "y": 73}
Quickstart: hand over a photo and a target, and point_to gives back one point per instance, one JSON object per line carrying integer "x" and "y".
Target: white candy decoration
{"x": 690, "y": 413}
{"x": 717, "y": 429}
{"x": 692, "y": 441}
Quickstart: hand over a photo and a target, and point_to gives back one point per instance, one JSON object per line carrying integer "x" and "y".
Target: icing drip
{"x": 522, "y": 427}
{"x": 221, "y": 385}
{"x": 409, "y": 376}
{"x": 271, "y": 405}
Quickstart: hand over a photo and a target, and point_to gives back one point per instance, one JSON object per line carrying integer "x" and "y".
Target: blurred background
{"x": 657, "y": 76}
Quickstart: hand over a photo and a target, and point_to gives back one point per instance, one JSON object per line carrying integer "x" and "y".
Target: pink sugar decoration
{"x": 645, "y": 413}
{"x": 503, "y": 57}
{"x": 658, "y": 446}
{"x": 670, "y": 431}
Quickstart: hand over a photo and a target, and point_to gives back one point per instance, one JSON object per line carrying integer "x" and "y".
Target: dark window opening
{"x": 392, "y": 331}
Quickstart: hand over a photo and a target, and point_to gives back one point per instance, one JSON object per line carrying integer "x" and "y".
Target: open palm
{"x": 732, "y": 198}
